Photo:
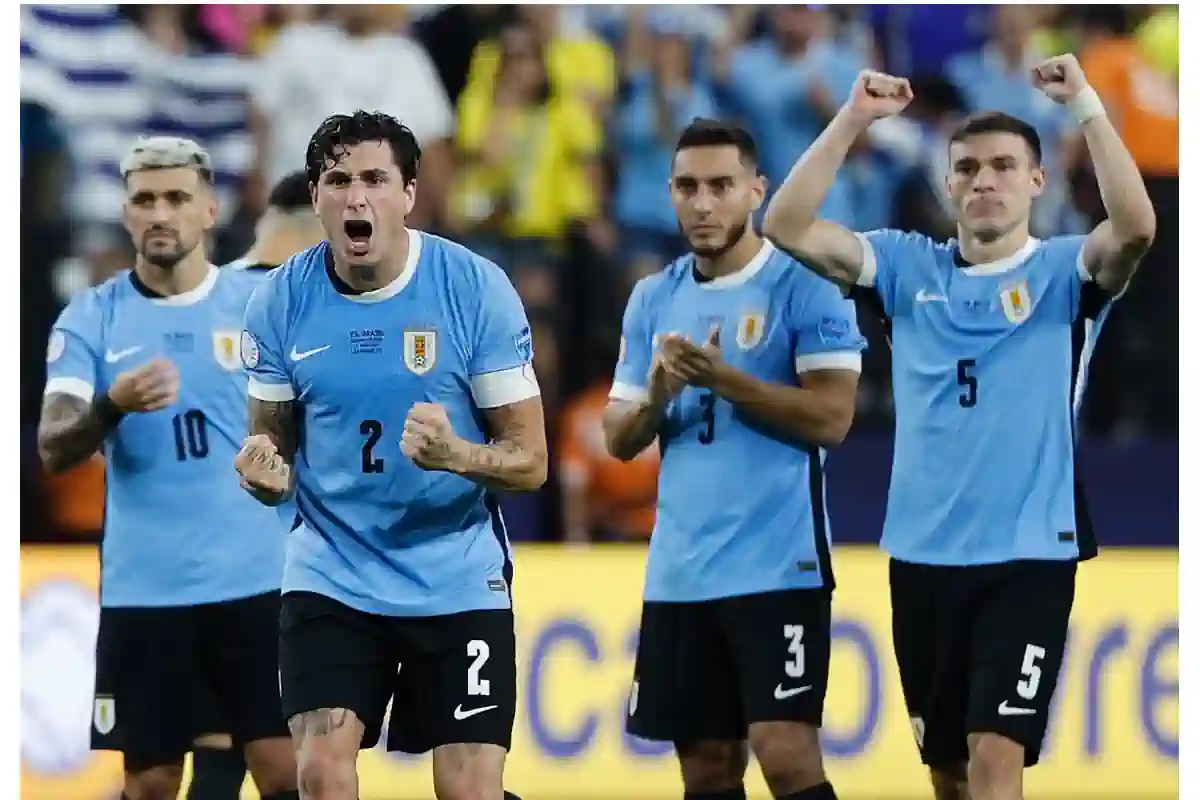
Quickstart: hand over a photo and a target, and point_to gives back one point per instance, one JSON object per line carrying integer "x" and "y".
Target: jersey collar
{"x": 188, "y": 298}
{"x": 999, "y": 266}
{"x": 383, "y": 292}
{"x": 744, "y": 274}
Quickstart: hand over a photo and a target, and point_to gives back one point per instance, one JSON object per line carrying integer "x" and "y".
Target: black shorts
{"x": 452, "y": 678}
{"x": 979, "y": 649}
{"x": 708, "y": 670}
{"x": 167, "y": 675}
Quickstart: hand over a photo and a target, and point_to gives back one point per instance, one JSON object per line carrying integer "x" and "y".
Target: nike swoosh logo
{"x": 113, "y": 358}
{"x": 1006, "y": 710}
{"x": 925, "y": 297}
{"x": 295, "y": 356}
{"x": 459, "y": 714}
{"x": 783, "y": 694}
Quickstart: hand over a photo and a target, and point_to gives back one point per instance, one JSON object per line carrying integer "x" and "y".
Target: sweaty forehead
{"x": 709, "y": 162}
{"x": 364, "y": 157}
{"x": 988, "y": 146}
{"x": 161, "y": 181}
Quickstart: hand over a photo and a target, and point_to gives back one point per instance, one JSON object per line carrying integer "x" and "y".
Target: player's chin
{"x": 707, "y": 241}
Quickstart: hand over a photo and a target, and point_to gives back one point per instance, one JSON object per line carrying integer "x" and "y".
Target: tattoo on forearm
{"x": 318, "y": 722}
{"x": 71, "y": 430}
{"x": 516, "y": 457}
{"x": 280, "y": 422}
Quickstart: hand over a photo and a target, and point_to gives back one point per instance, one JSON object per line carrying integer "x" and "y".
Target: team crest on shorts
{"x": 420, "y": 350}
{"x": 104, "y": 714}
{"x": 1016, "y": 302}
{"x": 750, "y": 330}
{"x": 227, "y": 348}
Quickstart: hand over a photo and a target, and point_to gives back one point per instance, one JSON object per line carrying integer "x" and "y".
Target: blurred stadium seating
{"x": 547, "y": 134}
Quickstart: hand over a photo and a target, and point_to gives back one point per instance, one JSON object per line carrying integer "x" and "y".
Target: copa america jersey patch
{"x": 249, "y": 349}
{"x": 523, "y": 341}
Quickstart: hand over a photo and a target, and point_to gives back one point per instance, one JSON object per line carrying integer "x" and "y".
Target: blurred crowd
{"x": 547, "y": 134}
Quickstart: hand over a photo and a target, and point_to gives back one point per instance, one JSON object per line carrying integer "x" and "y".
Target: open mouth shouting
{"x": 359, "y": 233}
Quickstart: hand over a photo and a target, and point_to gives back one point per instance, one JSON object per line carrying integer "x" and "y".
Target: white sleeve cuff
{"x": 866, "y": 276}
{"x": 843, "y": 359}
{"x": 76, "y": 387}
{"x": 270, "y": 392}
{"x": 1081, "y": 267}
{"x": 505, "y": 387}
{"x": 629, "y": 392}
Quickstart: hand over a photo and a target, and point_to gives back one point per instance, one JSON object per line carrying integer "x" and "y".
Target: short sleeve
{"x": 884, "y": 255}
{"x": 262, "y": 344}
{"x": 637, "y": 345}
{"x": 501, "y": 361}
{"x": 825, "y": 331}
{"x": 1088, "y": 300}
{"x": 75, "y": 348}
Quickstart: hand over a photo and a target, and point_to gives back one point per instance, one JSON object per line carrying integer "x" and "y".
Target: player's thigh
{"x": 333, "y": 657}
{"x": 147, "y": 680}
{"x": 685, "y": 686}
{"x": 1017, "y": 650}
{"x": 241, "y": 643}
{"x": 457, "y": 682}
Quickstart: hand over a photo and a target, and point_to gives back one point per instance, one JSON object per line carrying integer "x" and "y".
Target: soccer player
{"x": 288, "y": 226}
{"x": 392, "y": 390}
{"x": 146, "y": 367}
{"x": 991, "y": 334}
{"x": 745, "y": 368}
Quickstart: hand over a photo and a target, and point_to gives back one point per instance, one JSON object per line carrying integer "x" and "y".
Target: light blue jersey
{"x": 178, "y": 528}
{"x": 378, "y": 533}
{"x": 741, "y": 510}
{"x": 988, "y": 366}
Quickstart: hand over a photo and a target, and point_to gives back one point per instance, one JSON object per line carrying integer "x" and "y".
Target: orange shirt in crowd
{"x": 76, "y": 498}
{"x": 1142, "y": 101}
{"x": 621, "y": 495}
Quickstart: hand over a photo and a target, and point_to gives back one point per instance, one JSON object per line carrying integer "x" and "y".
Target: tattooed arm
{"x": 516, "y": 459}
{"x": 72, "y": 429}
{"x": 278, "y": 422}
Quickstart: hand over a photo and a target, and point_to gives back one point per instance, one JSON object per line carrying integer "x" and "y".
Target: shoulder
{"x": 1062, "y": 253}
{"x": 657, "y": 286}
{"x": 457, "y": 265}
{"x": 888, "y": 240}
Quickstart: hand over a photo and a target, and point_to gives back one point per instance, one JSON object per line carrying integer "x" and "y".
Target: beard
{"x": 732, "y": 237}
{"x": 165, "y": 259}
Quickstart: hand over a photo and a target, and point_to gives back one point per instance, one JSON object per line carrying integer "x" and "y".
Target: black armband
{"x": 106, "y": 410}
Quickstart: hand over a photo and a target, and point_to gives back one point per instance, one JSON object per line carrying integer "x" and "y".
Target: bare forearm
{"x": 504, "y": 466}
{"x": 279, "y": 422}
{"x": 1121, "y": 186}
{"x": 72, "y": 430}
{"x": 630, "y": 428}
{"x": 818, "y": 417}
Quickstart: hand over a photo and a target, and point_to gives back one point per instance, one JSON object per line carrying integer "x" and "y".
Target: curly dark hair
{"x": 328, "y": 144}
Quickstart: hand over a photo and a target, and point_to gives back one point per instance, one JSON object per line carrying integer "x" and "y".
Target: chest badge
{"x": 420, "y": 350}
{"x": 227, "y": 349}
{"x": 750, "y": 330}
{"x": 1016, "y": 302}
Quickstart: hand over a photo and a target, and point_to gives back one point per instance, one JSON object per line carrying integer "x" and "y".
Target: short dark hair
{"x": 999, "y": 122}
{"x": 702, "y": 132}
{"x": 291, "y": 193}
{"x": 336, "y": 133}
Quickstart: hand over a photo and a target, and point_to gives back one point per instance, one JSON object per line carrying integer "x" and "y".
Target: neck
{"x": 183, "y": 277}
{"x": 977, "y": 251}
{"x": 369, "y": 277}
{"x": 733, "y": 259}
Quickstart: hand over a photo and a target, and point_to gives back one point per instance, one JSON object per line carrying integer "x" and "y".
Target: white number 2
{"x": 478, "y": 649}
{"x": 1031, "y": 671}
{"x": 794, "y": 666}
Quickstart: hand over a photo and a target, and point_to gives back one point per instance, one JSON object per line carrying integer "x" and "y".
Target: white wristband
{"x": 1086, "y": 105}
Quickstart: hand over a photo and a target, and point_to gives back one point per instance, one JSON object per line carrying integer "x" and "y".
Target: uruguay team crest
{"x": 227, "y": 349}
{"x": 750, "y": 330}
{"x": 420, "y": 350}
{"x": 1016, "y": 302}
{"x": 104, "y": 714}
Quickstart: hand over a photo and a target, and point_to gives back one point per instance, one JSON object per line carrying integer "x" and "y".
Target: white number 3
{"x": 794, "y": 666}
{"x": 1031, "y": 671}
{"x": 478, "y": 650}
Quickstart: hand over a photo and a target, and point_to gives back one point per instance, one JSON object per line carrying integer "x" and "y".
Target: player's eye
{"x": 964, "y": 168}
{"x": 337, "y": 179}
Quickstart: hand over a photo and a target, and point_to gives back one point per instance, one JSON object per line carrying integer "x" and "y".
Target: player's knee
{"x": 712, "y": 766}
{"x": 324, "y": 775}
{"x": 272, "y": 764}
{"x": 789, "y": 754}
{"x": 996, "y": 762}
{"x": 155, "y": 783}
{"x": 468, "y": 772}
{"x": 949, "y": 783}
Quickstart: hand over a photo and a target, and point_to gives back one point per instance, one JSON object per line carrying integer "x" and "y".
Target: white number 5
{"x": 794, "y": 666}
{"x": 478, "y": 649}
{"x": 1031, "y": 672}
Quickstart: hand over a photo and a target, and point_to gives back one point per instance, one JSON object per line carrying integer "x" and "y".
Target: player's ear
{"x": 210, "y": 208}
{"x": 758, "y": 192}
{"x": 410, "y": 197}
{"x": 1038, "y": 178}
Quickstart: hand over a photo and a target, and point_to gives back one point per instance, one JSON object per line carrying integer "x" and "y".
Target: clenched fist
{"x": 262, "y": 468}
{"x": 877, "y": 95}
{"x": 150, "y": 387}
{"x": 1060, "y": 78}
{"x": 429, "y": 439}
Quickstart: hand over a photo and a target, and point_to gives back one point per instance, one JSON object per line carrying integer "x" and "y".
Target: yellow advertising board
{"x": 1114, "y": 730}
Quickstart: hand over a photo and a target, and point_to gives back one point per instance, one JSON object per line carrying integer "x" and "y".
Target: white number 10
{"x": 794, "y": 666}
{"x": 478, "y": 650}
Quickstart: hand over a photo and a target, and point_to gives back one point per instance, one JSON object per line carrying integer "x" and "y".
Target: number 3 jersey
{"x": 380, "y": 534}
{"x": 178, "y": 528}
{"x": 988, "y": 367}
{"x": 741, "y": 508}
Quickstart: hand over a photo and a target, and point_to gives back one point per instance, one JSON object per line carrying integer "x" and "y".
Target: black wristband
{"x": 106, "y": 410}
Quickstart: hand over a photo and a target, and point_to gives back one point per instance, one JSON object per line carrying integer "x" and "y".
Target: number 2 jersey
{"x": 741, "y": 508}
{"x": 988, "y": 367}
{"x": 178, "y": 528}
{"x": 378, "y": 533}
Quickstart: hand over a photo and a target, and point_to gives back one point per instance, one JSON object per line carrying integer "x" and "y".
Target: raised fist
{"x": 150, "y": 387}
{"x": 877, "y": 95}
{"x": 1060, "y": 78}
{"x": 261, "y": 467}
